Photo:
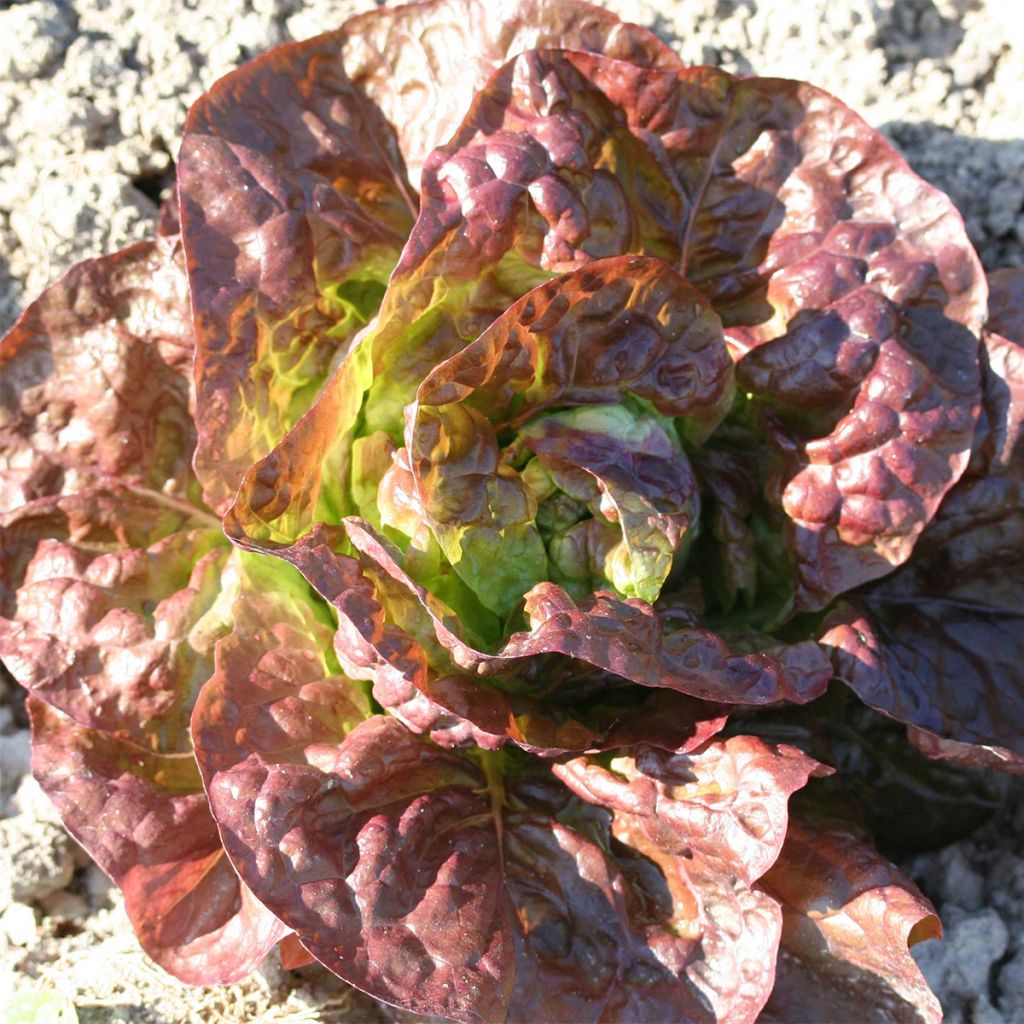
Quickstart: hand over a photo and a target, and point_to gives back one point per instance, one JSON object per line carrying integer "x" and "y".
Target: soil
{"x": 93, "y": 94}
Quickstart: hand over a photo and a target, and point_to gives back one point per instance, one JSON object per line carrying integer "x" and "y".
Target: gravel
{"x": 93, "y": 95}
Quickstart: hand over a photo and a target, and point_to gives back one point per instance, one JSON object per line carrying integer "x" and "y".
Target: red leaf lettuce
{"x": 386, "y": 546}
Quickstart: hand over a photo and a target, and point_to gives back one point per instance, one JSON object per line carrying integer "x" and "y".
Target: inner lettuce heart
{"x": 405, "y": 553}
{"x": 575, "y": 391}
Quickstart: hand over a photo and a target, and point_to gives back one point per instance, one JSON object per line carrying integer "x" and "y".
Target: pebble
{"x": 958, "y": 967}
{"x": 35, "y": 856}
{"x": 98, "y": 887}
{"x": 957, "y": 882}
{"x": 66, "y": 905}
{"x": 35, "y": 35}
{"x": 18, "y": 924}
{"x": 1010, "y": 986}
{"x": 15, "y": 759}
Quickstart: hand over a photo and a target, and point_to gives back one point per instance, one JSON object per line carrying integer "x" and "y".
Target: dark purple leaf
{"x": 940, "y": 644}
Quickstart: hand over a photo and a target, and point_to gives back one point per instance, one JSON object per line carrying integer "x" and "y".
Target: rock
{"x": 67, "y": 905}
{"x": 1006, "y": 881}
{"x": 92, "y": 64}
{"x": 15, "y": 759}
{"x": 35, "y": 856}
{"x": 1010, "y": 987}
{"x": 981, "y": 1011}
{"x": 18, "y": 924}
{"x": 30, "y": 799}
{"x": 99, "y": 888}
{"x": 958, "y": 967}
{"x": 1005, "y": 203}
{"x": 35, "y": 35}
{"x": 957, "y": 882}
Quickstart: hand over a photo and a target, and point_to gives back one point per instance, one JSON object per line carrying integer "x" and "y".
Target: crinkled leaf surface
{"x": 142, "y": 815}
{"x": 848, "y": 916}
{"x": 726, "y": 802}
{"x": 472, "y": 884}
{"x": 119, "y": 641}
{"x": 119, "y": 637}
{"x": 94, "y": 380}
{"x": 843, "y": 277}
{"x": 627, "y": 638}
{"x": 938, "y": 645}
{"x": 112, "y": 580}
{"x": 294, "y": 209}
{"x": 713, "y": 821}
{"x": 298, "y": 178}
{"x": 620, "y": 327}
{"x": 422, "y": 64}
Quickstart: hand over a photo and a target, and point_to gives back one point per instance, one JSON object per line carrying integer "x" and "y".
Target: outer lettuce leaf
{"x": 94, "y": 380}
{"x": 968, "y": 754}
{"x": 938, "y": 645}
{"x": 294, "y": 208}
{"x": 712, "y": 822}
{"x": 725, "y": 803}
{"x": 120, "y": 637}
{"x": 143, "y": 817}
{"x": 469, "y": 886}
{"x": 119, "y": 641}
{"x": 422, "y": 64}
{"x": 848, "y": 916}
{"x": 859, "y": 497}
{"x": 296, "y": 198}
{"x": 112, "y": 598}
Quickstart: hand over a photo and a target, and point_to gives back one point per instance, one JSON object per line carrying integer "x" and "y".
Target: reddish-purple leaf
{"x": 143, "y": 817}
{"x": 940, "y": 643}
{"x": 969, "y": 754}
{"x": 848, "y": 917}
{"x": 298, "y": 178}
{"x": 423, "y": 63}
{"x": 115, "y": 639}
{"x": 94, "y": 380}
{"x": 725, "y": 802}
{"x": 433, "y": 881}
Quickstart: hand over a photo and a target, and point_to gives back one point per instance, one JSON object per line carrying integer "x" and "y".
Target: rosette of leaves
{"x": 387, "y": 545}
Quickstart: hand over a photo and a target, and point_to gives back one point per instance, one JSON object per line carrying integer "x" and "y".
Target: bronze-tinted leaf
{"x": 294, "y": 209}
{"x": 422, "y": 64}
{"x": 142, "y": 815}
{"x": 95, "y": 381}
{"x": 848, "y": 917}
{"x": 725, "y": 802}
{"x": 298, "y": 177}
{"x": 938, "y": 645}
